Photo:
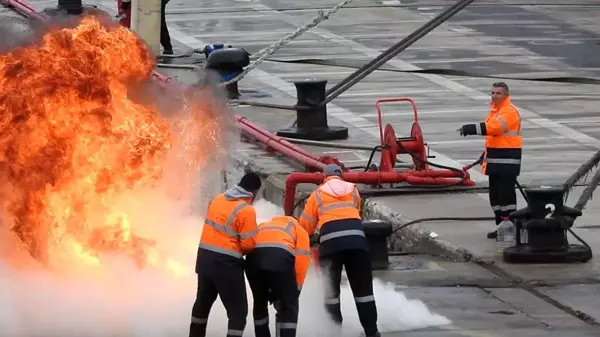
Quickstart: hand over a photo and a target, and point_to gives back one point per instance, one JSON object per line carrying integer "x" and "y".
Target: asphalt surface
{"x": 525, "y": 39}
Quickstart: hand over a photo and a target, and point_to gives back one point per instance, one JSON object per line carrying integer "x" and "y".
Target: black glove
{"x": 277, "y": 306}
{"x": 314, "y": 240}
{"x": 125, "y": 5}
{"x": 467, "y": 130}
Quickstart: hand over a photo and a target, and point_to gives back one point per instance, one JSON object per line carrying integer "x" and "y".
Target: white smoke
{"x": 122, "y": 300}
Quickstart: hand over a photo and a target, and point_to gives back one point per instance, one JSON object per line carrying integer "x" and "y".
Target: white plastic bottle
{"x": 507, "y": 236}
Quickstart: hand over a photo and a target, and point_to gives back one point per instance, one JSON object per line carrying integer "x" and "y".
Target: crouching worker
{"x": 333, "y": 213}
{"x": 276, "y": 269}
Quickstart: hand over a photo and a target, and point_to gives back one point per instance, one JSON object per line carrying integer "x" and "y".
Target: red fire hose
{"x": 278, "y": 144}
{"x": 429, "y": 177}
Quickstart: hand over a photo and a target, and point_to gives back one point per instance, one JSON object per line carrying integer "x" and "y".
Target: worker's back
{"x": 228, "y": 233}
{"x": 281, "y": 244}
{"x": 333, "y": 211}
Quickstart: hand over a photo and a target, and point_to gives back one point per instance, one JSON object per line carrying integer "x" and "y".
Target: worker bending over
{"x": 333, "y": 212}
{"x": 276, "y": 270}
{"x": 227, "y": 235}
{"x": 503, "y": 149}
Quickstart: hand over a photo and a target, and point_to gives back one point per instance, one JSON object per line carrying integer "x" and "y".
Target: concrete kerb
{"x": 414, "y": 238}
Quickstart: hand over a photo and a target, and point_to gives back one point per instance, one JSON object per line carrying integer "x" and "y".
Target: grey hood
{"x": 237, "y": 193}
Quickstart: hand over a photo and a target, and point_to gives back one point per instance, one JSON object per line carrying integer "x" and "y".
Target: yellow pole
{"x": 145, "y": 22}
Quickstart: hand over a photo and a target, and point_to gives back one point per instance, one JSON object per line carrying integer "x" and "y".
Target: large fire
{"x": 74, "y": 143}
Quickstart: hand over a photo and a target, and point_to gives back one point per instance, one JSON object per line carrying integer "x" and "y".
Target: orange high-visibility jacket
{"x": 230, "y": 225}
{"x": 285, "y": 233}
{"x": 503, "y": 140}
{"x": 334, "y": 200}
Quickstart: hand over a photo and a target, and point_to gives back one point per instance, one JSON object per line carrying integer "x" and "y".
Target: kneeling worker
{"x": 227, "y": 235}
{"x": 276, "y": 269}
{"x": 333, "y": 212}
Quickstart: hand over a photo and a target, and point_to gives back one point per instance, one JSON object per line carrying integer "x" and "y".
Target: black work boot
{"x": 492, "y": 235}
{"x": 377, "y": 334}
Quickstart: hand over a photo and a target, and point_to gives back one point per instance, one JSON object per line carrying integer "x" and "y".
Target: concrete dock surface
{"x": 458, "y": 274}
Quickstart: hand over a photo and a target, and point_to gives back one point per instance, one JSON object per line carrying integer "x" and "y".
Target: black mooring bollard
{"x": 377, "y": 232}
{"x": 228, "y": 63}
{"x": 312, "y": 122}
{"x": 542, "y": 230}
{"x": 72, "y": 7}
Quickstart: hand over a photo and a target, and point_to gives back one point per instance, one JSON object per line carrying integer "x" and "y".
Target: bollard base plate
{"x": 316, "y": 133}
{"x": 524, "y": 254}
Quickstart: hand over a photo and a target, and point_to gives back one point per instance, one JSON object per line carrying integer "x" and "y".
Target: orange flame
{"x": 72, "y": 142}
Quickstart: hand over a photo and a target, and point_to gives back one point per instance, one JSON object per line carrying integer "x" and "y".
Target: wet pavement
{"x": 480, "y": 303}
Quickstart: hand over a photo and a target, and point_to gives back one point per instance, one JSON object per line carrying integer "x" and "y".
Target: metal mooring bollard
{"x": 377, "y": 232}
{"x": 228, "y": 63}
{"x": 311, "y": 115}
{"x": 542, "y": 230}
{"x": 72, "y": 7}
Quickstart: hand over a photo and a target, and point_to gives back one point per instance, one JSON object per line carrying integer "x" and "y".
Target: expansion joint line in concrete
{"x": 519, "y": 283}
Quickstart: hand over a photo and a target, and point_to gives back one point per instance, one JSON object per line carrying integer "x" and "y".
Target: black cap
{"x": 250, "y": 182}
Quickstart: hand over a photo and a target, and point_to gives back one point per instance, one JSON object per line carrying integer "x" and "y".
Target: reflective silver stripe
{"x": 302, "y": 252}
{"x": 288, "y": 229}
{"x": 337, "y": 205}
{"x": 364, "y": 299}
{"x": 221, "y": 228}
{"x": 308, "y": 218}
{"x": 504, "y": 208}
{"x": 235, "y": 332}
{"x": 502, "y": 123}
{"x": 478, "y": 129}
{"x": 262, "y": 321}
{"x": 283, "y": 325}
{"x": 275, "y": 245}
{"x": 505, "y": 131}
{"x": 338, "y": 234}
{"x": 248, "y": 235}
{"x": 332, "y": 300}
{"x": 226, "y": 228}
{"x": 502, "y": 161}
{"x": 220, "y": 250}
{"x": 507, "y": 208}
{"x": 197, "y": 320}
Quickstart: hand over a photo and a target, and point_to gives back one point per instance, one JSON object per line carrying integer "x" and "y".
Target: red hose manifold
{"x": 391, "y": 146}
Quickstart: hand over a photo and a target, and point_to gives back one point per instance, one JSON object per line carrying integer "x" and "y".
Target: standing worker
{"x": 165, "y": 37}
{"x": 333, "y": 212}
{"x": 276, "y": 269}
{"x": 227, "y": 235}
{"x": 502, "y": 155}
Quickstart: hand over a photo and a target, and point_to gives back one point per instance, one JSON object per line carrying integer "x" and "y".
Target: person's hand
{"x": 271, "y": 296}
{"x": 277, "y": 305}
{"x": 460, "y": 131}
